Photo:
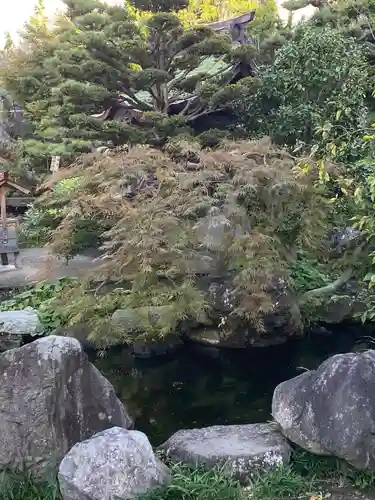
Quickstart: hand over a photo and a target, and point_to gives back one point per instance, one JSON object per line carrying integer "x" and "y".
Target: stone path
{"x": 38, "y": 264}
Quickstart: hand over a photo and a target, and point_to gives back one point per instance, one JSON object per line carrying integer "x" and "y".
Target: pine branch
{"x": 202, "y": 113}
{"x": 156, "y": 98}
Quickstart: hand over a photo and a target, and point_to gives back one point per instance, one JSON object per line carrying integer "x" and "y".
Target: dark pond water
{"x": 197, "y": 387}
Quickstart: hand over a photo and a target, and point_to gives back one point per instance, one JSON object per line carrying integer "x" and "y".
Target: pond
{"x": 197, "y": 387}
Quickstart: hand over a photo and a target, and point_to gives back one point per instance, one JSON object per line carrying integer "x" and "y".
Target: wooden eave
{"x": 242, "y": 20}
{"x": 5, "y": 181}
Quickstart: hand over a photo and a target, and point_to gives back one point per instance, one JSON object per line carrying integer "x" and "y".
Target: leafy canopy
{"x": 312, "y": 93}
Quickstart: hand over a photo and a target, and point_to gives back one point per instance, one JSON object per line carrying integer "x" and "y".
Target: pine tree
{"x": 28, "y": 83}
{"x": 6, "y": 149}
{"x": 96, "y": 55}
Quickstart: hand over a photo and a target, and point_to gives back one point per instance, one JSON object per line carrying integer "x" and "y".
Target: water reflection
{"x": 195, "y": 387}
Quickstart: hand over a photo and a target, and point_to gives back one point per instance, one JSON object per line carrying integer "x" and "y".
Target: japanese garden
{"x": 187, "y": 196}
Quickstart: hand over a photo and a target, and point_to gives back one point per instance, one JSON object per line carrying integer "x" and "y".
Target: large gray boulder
{"x": 241, "y": 450}
{"x": 15, "y": 325}
{"x": 331, "y": 410}
{"x": 115, "y": 463}
{"x": 51, "y": 397}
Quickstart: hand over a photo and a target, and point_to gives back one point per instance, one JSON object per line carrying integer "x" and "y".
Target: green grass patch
{"x": 308, "y": 465}
{"x": 281, "y": 483}
{"x": 25, "y": 487}
{"x": 328, "y": 468}
{"x": 306, "y": 477}
{"x": 197, "y": 484}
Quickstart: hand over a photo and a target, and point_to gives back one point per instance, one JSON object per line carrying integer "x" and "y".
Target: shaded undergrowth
{"x": 307, "y": 477}
{"x": 25, "y": 487}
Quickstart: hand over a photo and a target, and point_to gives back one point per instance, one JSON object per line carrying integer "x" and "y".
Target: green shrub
{"x": 36, "y": 226}
{"x": 307, "y": 274}
{"x": 41, "y": 297}
{"x": 313, "y": 92}
{"x": 211, "y": 138}
{"x": 41, "y": 219}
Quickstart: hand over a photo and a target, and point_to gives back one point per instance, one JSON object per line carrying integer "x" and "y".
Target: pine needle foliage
{"x": 242, "y": 210}
{"x": 66, "y": 76}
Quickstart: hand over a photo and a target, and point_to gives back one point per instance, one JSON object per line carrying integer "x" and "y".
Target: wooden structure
{"x": 8, "y": 236}
{"x": 235, "y": 27}
{"x": 55, "y": 164}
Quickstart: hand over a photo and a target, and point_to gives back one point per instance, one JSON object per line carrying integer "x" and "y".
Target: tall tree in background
{"x": 7, "y": 152}
{"x": 61, "y": 75}
{"x": 27, "y": 81}
{"x": 352, "y": 17}
{"x": 193, "y": 12}
{"x": 312, "y": 93}
{"x": 206, "y": 11}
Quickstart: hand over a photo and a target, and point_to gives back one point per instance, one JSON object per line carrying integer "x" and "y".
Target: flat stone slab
{"x": 14, "y": 325}
{"x": 242, "y": 451}
{"x": 38, "y": 264}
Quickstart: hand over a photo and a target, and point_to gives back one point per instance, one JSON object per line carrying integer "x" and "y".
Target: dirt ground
{"x": 346, "y": 493}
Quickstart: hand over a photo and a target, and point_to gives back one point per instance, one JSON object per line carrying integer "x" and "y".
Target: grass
{"x": 331, "y": 469}
{"x": 197, "y": 484}
{"x": 281, "y": 483}
{"x": 308, "y": 465}
{"x": 25, "y": 487}
{"x": 306, "y": 477}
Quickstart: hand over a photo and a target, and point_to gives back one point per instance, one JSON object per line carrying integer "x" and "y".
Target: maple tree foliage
{"x": 163, "y": 218}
